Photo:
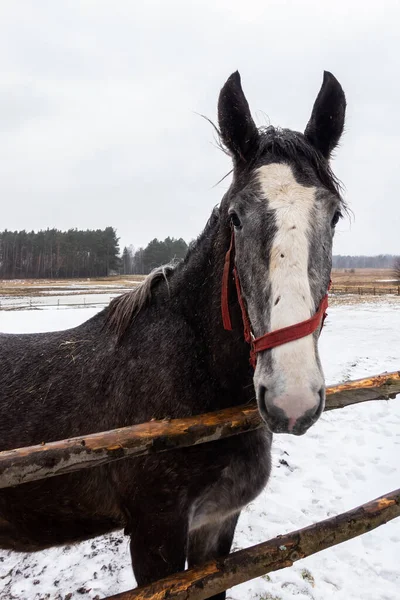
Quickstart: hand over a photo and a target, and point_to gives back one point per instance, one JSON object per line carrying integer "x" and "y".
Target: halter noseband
{"x": 273, "y": 338}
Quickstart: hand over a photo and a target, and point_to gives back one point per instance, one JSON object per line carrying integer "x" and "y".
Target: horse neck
{"x": 201, "y": 280}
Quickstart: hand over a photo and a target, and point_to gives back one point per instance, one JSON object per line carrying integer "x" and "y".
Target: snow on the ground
{"x": 349, "y": 457}
{"x": 51, "y": 319}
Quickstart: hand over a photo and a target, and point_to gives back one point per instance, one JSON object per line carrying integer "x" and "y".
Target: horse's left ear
{"x": 239, "y": 133}
{"x": 327, "y": 119}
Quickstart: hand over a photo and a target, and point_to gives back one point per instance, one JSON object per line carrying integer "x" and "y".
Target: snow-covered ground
{"x": 60, "y": 293}
{"x": 349, "y": 457}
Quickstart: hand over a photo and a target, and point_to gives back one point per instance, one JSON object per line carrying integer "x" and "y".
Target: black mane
{"x": 123, "y": 309}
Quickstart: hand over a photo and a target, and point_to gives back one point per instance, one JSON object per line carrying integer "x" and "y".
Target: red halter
{"x": 273, "y": 338}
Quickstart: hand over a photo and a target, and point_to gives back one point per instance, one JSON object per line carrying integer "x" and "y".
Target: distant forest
{"x": 156, "y": 253}
{"x": 96, "y": 253}
{"x": 383, "y": 261}
{"x": 53, "y": 253}
{"x": 76, "y": 253}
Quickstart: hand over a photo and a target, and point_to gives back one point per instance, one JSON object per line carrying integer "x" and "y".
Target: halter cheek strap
{"x": 273, "y": 338}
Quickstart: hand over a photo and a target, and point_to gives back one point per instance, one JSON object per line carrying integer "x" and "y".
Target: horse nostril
{"x": 273, "y": 416}
{"x": 314, "y": 413}
{"x": 262, "y": 390}
{"x": 262, "y": 403}
{"x": 321, "y": 395}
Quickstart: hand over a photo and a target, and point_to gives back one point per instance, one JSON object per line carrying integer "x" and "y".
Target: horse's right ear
{"x": 239, "y": 133}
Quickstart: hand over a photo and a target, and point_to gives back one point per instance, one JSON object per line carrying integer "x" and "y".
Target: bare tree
{"x": 396, "y": 268}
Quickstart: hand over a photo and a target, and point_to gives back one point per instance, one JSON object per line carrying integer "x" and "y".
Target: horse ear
{"x": 239, "y": 133}
{"x": 325, "y": 126}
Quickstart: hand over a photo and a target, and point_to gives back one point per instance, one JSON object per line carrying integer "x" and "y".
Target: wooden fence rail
{"x": 214, "y": 577}
{"x": 365, "y": 291}
{"x": 58, "y": 458}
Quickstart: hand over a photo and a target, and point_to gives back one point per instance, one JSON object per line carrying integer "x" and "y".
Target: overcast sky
{"x": 98, "y": 103}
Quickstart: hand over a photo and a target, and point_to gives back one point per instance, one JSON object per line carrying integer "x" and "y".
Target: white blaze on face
{"x": 291, "y": 300}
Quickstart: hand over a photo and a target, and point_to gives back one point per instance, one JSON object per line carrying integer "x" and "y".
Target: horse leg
{"x": 158, "y": 546}
{"x": 211, "y": 542}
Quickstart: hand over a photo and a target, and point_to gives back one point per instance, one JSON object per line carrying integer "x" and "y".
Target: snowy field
{"x": 349, "y": 457}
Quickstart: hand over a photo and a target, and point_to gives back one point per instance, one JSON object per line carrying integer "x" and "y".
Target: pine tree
{"x": 126, "y": 261}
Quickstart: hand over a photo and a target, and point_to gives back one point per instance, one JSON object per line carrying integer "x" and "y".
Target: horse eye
{"x": 235, "y": 220}
{"x": 336, "y": 218}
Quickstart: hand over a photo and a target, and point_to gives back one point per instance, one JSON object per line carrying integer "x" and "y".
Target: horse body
{"x": 81, "y": 381}
{"x": 161, "y": 352}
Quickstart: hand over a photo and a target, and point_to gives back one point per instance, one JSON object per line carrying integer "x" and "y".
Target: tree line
{"x": 383, "y": 261}
{"x": 156, "y": 253}
{"x": 58, "y": 254}
{"x": 95, "y": 253}
{"x": 52, "y": 253}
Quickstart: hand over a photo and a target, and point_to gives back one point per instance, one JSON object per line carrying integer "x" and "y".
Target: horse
{"x": 166, "y": 350}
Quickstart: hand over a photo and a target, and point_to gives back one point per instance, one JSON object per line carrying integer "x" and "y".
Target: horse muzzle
{"x": 290, "y": 412}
